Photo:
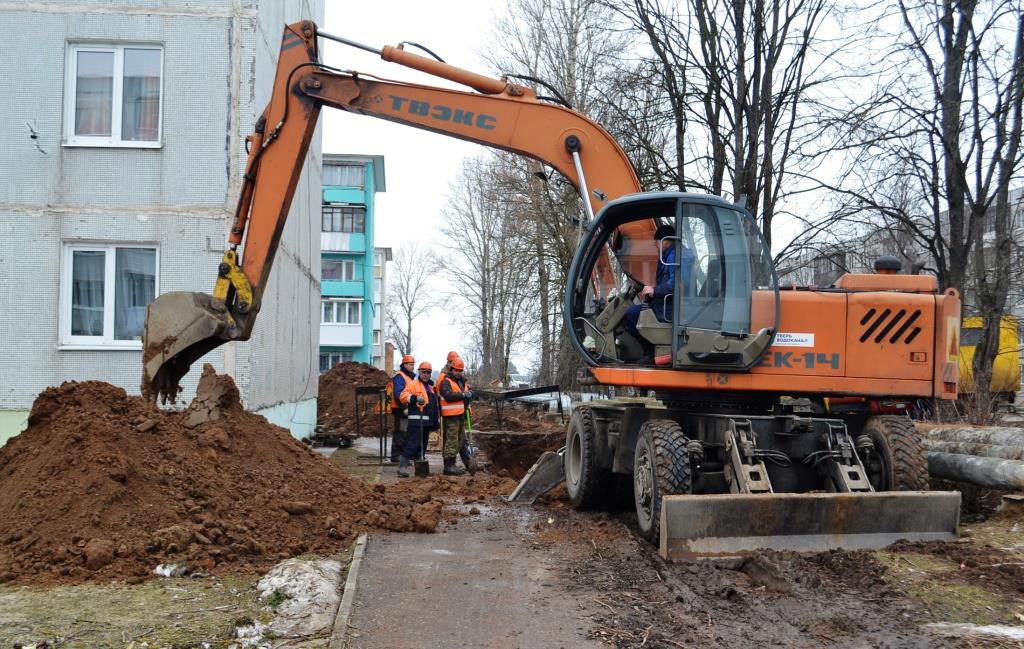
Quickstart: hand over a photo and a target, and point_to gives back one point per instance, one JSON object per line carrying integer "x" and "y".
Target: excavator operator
{"x": 659, "y": 298}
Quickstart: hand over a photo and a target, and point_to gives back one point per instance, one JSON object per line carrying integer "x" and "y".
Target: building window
{"x": 114, "y": 95}
{"x": 344, "y": 219}
{"x": 338, "y": 269}
{"x": 330, "y": 359}
{"x": 340, "y": 312}
{"x": 378, "y": 287}
{"x": 345, "y": 175}
{"x": 104, "y": 294}
{"x": 378, "y": 361}
{"x": 376, "y": 336}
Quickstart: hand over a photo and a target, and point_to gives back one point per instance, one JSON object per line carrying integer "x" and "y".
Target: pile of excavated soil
{"x": 465, "y": 489}
{"x": 102, "y": 486}
{"x": 485, "y": 417}
{"x": 336, "y": 403}
{"x": 515, "y": 452}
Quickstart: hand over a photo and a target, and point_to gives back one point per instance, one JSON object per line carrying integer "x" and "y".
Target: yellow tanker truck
{"x": 1006, "y": 369}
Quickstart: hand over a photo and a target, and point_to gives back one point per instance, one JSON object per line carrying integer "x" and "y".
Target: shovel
{"x": 420, "y": 466}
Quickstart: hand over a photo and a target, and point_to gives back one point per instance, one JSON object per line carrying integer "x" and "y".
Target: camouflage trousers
{"x": 454, "y": 436}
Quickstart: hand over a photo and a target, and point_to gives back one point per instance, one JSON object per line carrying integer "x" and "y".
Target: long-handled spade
{"x": 421, "y": 467}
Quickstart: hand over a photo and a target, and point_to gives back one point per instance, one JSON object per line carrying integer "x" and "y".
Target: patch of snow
{"x": 312, "y": 596}
{"x": 1005, "y": 631}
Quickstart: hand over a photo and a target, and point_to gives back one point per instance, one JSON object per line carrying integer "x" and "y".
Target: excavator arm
{"x": 181, "y": 327}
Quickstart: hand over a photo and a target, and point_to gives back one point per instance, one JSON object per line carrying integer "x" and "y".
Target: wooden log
{"x": 993, "y": 473}
{"x": 970, "y": 448}
{"x": 995, "y": 435}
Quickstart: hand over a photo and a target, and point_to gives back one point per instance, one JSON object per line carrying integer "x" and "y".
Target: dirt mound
{"x": 516, "y": 452}
{"x": 485, "y": 417}
{"x": 336, "y": 403}
{"x": 466, "y": 489}
{"x": 104, "y": 486}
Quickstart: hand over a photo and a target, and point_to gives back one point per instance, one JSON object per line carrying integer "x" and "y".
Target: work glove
{"x": 468, "y": 394}
{"x": 420, "y": 401}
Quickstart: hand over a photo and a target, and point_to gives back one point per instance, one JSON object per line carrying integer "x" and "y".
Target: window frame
{"x": 67, "y": 341}
{"x": 346, "y": 265}
{"x": 341, "y": 355}
{"x": 346, "y": 213}
{"x": 336, "y": 310}
{"x": 117, "y": 96}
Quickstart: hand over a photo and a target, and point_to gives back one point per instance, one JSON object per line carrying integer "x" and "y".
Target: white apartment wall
{"x": 218, "y": 71}
{"x": 279, "y": 366}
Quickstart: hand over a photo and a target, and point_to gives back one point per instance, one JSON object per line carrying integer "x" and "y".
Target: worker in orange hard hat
{"x": 447, "y": 367}
{"x": 452, "y": 355}
{"x": 404, "y": 374}
{"x": 420, "y": 402}
{"x": 455, "y": 398}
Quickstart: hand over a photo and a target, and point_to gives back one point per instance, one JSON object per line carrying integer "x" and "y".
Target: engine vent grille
{"x": 896, "y": 326}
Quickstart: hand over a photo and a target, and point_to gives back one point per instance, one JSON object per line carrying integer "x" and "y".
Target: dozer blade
{"x": 543, "y": 476}
{"x": 733, "y": 524}
{"x": 180, "y": 328}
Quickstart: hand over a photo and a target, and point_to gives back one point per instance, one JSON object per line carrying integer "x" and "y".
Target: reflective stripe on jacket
{"x": 454, "y": 405}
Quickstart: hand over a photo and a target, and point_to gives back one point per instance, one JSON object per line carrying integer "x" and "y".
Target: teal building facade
{"x": 352, "y": 270}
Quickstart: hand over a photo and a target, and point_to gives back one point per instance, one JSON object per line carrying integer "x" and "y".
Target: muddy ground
{"x": 840, "y": 599}
{"x": 623, "y": 593}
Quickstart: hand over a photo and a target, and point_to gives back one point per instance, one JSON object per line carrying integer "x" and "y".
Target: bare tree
{"x": 738, "y": 80}
{"x": 409, "y": 295}
{"x": 491, "y": 276}
{"x": 936, "y": 148}
{"x": 566, "y": 49}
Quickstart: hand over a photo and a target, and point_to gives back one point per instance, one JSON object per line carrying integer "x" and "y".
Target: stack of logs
{"x": 991, "y": 457}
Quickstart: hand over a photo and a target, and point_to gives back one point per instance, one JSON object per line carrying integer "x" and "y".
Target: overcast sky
{"x": 419, "y": 166}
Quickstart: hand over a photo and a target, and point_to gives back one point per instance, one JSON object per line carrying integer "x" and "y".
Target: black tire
{"x": 661, "y": 467}
{"x": 585, "y": 481}
{"x": 896, "y": 460}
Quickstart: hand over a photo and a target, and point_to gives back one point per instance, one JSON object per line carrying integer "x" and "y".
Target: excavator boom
{"x": 182, "y": 327}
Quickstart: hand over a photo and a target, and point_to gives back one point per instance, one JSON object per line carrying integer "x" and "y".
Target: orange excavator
{"x": 772, "y": 416}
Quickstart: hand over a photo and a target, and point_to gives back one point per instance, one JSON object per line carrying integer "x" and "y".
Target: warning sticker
{"x": 783, "y": 339}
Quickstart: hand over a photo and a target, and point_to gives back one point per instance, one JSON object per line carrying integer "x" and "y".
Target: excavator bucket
{"x": 181, "y": 327}
{"x": 722, "y": 525}
{"x": 542, "y": 477}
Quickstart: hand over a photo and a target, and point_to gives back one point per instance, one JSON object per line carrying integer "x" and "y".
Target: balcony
{"x": 342, "y": 242}
{"x": 341, "y": 335}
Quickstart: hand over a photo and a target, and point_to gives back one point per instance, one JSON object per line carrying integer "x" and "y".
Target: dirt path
{"x": 478, "y": 584}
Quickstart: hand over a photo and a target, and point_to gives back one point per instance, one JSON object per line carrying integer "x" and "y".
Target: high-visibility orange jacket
{"x": 398, "y": 382}
{"x": 413, "y": 389}
{"x": 453, "y": 402}
{"x": 421, "y": 417}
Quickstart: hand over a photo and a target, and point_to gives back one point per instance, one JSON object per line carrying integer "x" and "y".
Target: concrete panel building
{"x": 121, "y": 162}
{"x": 353, "y": 269}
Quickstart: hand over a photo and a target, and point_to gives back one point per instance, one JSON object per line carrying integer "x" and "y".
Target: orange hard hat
{"x": 408, "y": 359}
{"x": 457, "y": 364}
{"x": 426, "y": 366}
{"x": 452, "y": 356}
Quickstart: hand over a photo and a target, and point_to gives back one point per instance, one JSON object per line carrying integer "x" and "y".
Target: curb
{"x": 339, "y": 632}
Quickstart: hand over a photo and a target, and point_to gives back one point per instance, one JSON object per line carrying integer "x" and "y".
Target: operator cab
{"x": 672, "y": 279}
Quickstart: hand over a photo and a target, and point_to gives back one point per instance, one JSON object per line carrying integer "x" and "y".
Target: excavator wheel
{"x": 586, "y": 482}
{"x": 896, "y": 460}
{"x": 661, "y": 467}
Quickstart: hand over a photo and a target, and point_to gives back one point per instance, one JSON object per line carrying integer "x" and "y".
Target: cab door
{"x": 726, "y": 301}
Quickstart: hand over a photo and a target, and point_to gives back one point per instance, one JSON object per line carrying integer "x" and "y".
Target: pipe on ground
{"x": 971, "y": 448}
{"x": 990, "y": 472}
{"x": 994, "y": 435}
